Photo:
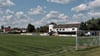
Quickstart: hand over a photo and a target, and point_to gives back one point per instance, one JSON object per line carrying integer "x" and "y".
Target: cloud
{"x": 11, "y": 18}
{"x": 85, "y": 16}
{"x": 36, "y": 11}
{"x": 60, "y": 1}
{"x": 8, "y": 17}
{"x": 18, "y": 19}
{"x": 94, "y": 14}
{"x": 90, "y": 9}
{"x": 53, "y": 16}
{"x": 8, "y": 11}
{"x": 76, "y": 16}
{"x": 87, "y": 6}
{"x": 94, "y": 4}
{"x": 20, "y": 14}
{"x": 6, "y": 3}
{"x": 6, "y": 20}
{"x": 80, "y": 17}
{"x": 79, "y": 8}
{"x": 21, "y": 19}
{"x": 1, "y": 11}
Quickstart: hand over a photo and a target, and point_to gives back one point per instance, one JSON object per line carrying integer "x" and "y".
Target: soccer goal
{"x": 87, "y": 39}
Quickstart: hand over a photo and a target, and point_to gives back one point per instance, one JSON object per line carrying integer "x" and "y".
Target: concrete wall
{"x": 51, "y": 27}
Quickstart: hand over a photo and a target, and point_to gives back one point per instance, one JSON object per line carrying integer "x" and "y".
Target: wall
{"x": 65, "y": 29}
{"x": 51, "y": 27}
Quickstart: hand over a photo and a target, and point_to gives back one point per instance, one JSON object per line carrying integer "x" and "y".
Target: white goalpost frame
{"x": 99, "y": 38}
{"x": 77, "y": 37}
{"x": 76, "y": 41}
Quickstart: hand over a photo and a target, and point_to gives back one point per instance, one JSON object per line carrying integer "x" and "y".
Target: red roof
{"x": 66, "y": 25}
{"x": 7, "y": 29}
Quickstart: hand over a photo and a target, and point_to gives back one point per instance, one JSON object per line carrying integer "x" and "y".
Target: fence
{"x": 87, "y": 39}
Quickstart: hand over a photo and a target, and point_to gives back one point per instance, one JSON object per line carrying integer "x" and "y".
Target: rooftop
{"x": 66, "y": 25}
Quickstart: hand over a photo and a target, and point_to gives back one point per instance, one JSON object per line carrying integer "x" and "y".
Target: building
{"x": 64, "y": 29}
{"x": 13, "y": 30}
{"x": 6, "y": 29}
{"x": 20, "y": 30}
{"x": 23, "y": 30}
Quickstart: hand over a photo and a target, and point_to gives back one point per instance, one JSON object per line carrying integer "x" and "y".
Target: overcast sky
{"x": 19, "y": 13}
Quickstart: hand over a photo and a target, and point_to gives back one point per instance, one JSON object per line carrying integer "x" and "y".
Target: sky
{"x": 20, "y": 13}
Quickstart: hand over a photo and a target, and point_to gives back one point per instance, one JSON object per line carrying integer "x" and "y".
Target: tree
{"x": 44, "y": 28}
{"x": 53, "y": 23}
{"x": 83, "y": 26}
{"x": 2, "y": 27}
{"x": 92, "y": 24}
{"x": 30, "y": 28}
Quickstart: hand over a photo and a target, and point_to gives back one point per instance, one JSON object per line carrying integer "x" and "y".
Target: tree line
{"x": 92, "y": 24}
{"x": 31, "y": 28}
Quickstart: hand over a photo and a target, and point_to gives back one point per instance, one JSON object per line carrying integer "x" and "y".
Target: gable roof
{"x": 66, "y": 25}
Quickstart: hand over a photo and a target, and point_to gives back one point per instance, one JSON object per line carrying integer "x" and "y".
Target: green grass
{"x": 17, "y": 45}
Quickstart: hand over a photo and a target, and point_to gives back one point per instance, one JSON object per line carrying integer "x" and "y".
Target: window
{"x": 63, "y": 29}
{"x": 73, "y": 28}
{"x": 57, "y": 29}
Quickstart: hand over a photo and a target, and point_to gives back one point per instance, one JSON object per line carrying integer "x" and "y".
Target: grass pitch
{"x": 17, "y": 45}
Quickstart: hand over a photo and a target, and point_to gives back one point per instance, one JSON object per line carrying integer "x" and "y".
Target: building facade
{"x": 64, "y": 29}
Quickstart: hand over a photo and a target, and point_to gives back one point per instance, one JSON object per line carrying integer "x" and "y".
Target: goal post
{"x": 87, "y": 39}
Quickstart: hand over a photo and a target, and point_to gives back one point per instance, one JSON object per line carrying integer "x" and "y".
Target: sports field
{"x": 17, "y": 45}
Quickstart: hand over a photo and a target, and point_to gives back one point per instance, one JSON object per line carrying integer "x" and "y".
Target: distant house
{"x": 23, "y": 30}
{"x": 64, "y": 29}
{"x": 6, "y": 29}
{"x": 11, "y": 30}
{"x": 16, "y": 30}
{"x": 19, "y": 30}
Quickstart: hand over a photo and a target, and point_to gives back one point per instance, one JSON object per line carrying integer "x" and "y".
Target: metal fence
{"x": 87, "y": 39}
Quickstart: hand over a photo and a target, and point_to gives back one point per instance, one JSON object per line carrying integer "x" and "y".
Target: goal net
{"x": 87, "y": 39}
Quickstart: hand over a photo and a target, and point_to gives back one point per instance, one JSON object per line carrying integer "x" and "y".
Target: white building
{"x": 64, "y": 29}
